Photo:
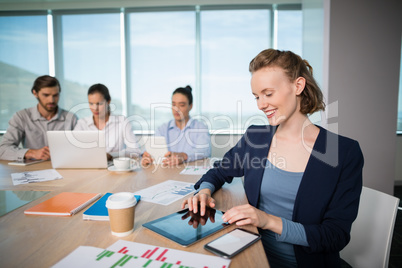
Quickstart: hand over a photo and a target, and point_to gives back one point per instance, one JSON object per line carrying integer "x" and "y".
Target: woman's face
{"x": 276, "y": 95}
{"x": 180, "y": 107}
{"x": 98, "y": 105}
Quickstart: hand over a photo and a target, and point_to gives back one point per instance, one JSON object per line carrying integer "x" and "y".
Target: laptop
{"x": 77, "y": 149}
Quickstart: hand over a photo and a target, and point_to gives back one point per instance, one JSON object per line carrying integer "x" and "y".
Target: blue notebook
{"x": 98, "y": 211}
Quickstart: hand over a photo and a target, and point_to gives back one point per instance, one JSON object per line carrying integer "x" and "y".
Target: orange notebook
{"x": 63, "y": 204}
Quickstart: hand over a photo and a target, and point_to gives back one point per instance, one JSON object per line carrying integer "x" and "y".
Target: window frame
{"x": 56, "y": 15}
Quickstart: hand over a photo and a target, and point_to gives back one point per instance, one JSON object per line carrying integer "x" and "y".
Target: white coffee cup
{"x": 122, "y": 163}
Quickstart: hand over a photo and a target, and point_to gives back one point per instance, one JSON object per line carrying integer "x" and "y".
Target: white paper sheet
{"x": 166, "y": 192}
{"x": 194, "y": 170}
{"x": 35, "y": 176}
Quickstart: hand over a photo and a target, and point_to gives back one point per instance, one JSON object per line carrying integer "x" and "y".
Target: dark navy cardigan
{"x": 328, "y": 197}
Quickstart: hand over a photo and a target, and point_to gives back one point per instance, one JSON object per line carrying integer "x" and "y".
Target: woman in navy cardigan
{"x": 303, "y": 183}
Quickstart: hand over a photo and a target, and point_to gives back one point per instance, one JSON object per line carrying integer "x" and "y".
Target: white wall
{"x": 363, "y": 46}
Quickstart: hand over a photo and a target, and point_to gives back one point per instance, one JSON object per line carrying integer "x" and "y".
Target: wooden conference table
{"x": 42, "y": 241}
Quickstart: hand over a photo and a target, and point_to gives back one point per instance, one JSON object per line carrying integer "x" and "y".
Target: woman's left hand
{"x": 172, "y": 159}
{"x": 247, "y": 214}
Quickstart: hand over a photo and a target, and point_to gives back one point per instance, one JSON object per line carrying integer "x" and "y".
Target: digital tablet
{"x": 25, "y": 162}
{"x": 182, "y": 227}
{"x": 156, "y": 146}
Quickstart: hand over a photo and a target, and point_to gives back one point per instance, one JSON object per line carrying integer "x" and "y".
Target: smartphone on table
{"x": 232, "y": 243}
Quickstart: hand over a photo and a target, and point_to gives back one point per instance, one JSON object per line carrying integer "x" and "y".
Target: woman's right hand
{"x": 199, "y": 201}
{"x": 146, "y": 159}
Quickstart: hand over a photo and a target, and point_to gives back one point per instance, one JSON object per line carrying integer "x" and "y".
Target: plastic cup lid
{"x": 121, "y": 200}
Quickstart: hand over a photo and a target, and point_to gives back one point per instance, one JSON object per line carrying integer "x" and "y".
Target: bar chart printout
{"x": 132, "y": 254}
{"x": 171, "y": 256}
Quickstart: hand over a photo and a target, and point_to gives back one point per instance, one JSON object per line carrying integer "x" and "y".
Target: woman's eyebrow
{"x": 263, "y": 91}
{"x": 267, "y": 89}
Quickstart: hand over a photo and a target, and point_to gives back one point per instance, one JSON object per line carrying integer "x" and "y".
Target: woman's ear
{"x": 300, "y": 85}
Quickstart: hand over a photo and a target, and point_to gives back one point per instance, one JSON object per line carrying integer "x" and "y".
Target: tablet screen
{"x": 184, "y": 227}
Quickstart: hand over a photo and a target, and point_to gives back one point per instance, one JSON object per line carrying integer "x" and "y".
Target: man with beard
{"x": 29, "y": 125}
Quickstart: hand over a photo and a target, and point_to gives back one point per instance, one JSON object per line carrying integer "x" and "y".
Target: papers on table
{"x": 35, "y": 176}
{"x": 166, "y": 192}
{"x": 132, "y": 254}
{"x": 194, "y": 170}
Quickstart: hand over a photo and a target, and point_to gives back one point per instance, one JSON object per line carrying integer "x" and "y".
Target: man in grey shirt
{"x": 29, "y": 125}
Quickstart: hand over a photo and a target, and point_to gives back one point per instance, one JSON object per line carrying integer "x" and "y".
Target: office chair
{"x": 371, "y": 233}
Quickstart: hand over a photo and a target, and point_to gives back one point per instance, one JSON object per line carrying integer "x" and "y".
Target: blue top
{"x": 277, "y": 197}
{"x": 327, "y": 200}
{"x": 193, "y": 139}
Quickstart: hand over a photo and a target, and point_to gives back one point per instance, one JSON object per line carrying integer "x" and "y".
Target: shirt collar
{"x": 35, "y": 114}
{"x": 90, "y": 120}
{"x": 172, "y": 124}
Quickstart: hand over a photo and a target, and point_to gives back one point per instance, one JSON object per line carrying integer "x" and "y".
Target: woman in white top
{"x": 120, "y": 139}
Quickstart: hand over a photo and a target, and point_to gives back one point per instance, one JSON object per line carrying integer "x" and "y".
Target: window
{"x": 88, "y": 52}
{"x": 162, "y": 58}
{"x": 143, "y": 55}
{"x": 23, "y": 57}
{"x": 229, "y": 40}
{"x": 290, "y": 29}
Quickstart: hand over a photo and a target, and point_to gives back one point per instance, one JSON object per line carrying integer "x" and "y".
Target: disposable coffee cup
{"x": 121, "y": 208}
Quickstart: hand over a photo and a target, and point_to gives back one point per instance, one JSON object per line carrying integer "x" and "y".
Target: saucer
{"x": 113, "y": 168}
